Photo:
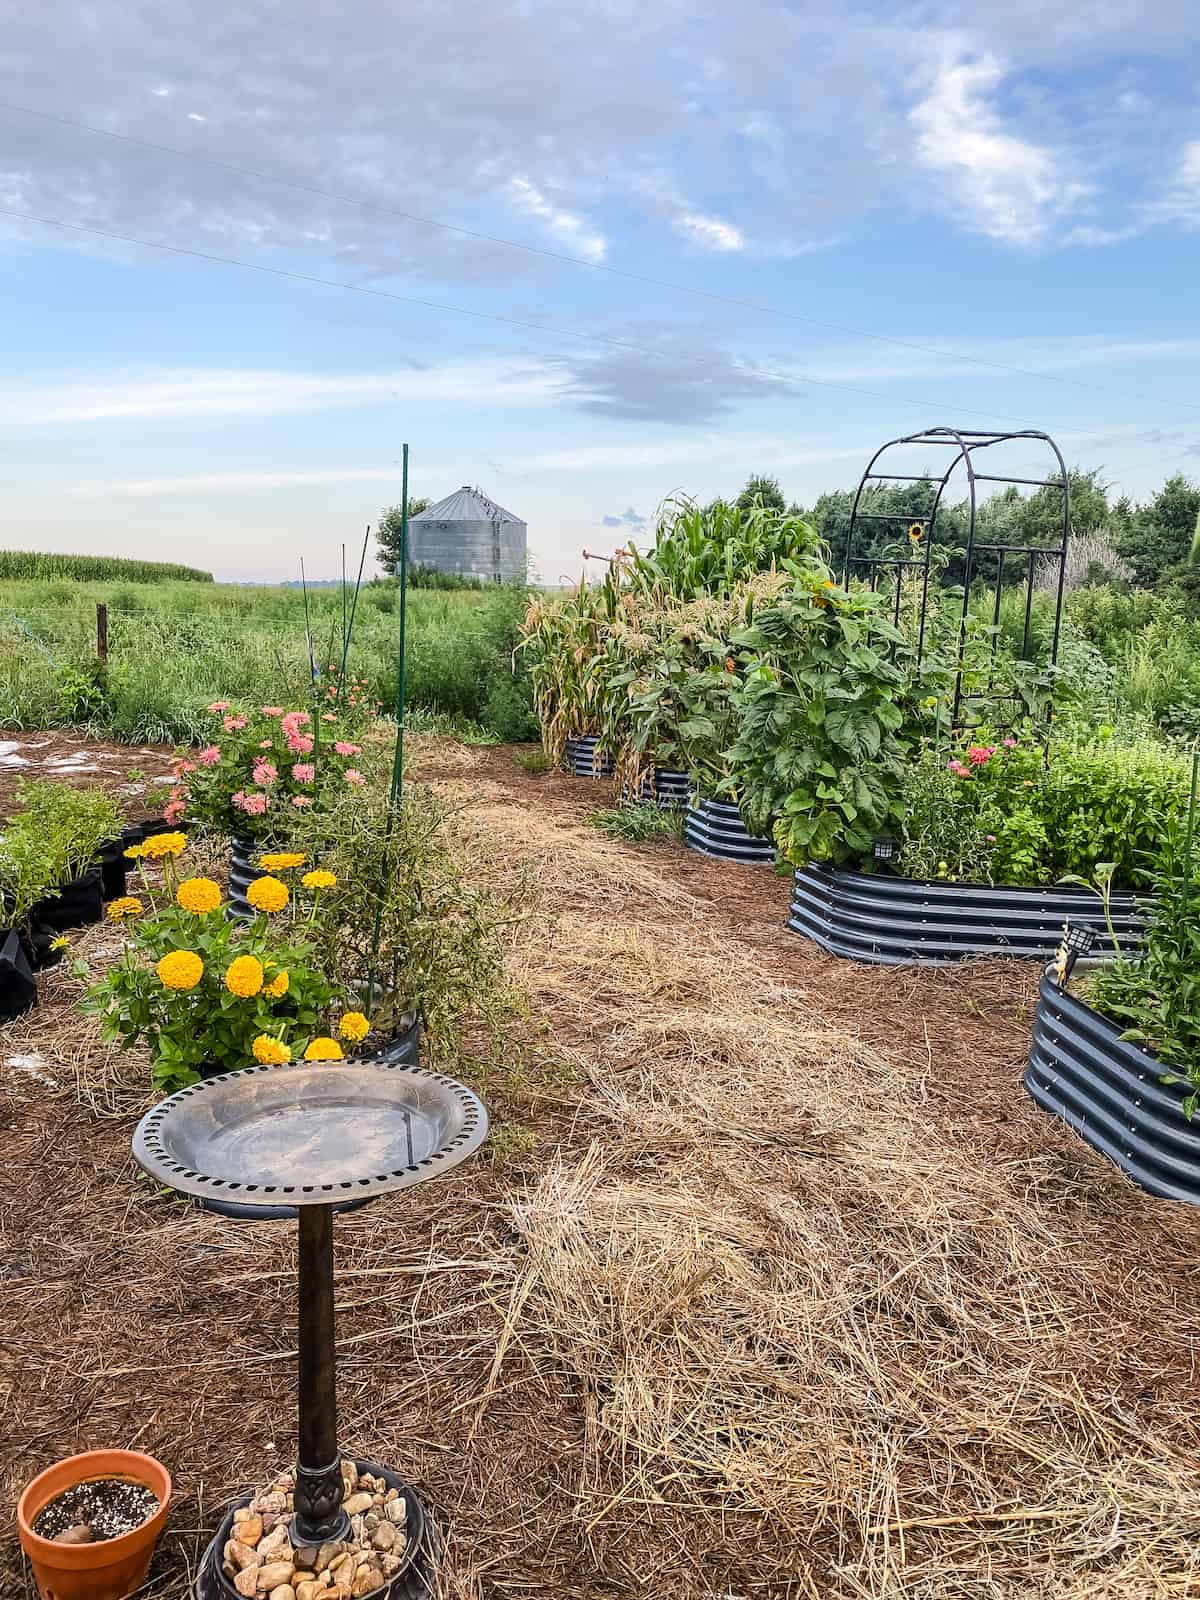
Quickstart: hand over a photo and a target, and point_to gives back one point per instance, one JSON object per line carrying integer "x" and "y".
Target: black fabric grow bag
{"x": 904, "y": 921}
{"x": 584, "y": 760}
{"x": 715, "y": 828}
{"x": 670, "y": 791}
{"x": 404, "y": 1046}
{"x": 113, "y": 868}
{"x": 18, "y": 986}
{"x": 1108, "y": 1090}
{"x": 74, "y": 906}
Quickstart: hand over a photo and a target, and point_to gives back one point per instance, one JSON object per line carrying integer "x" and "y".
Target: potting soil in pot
{"x": 102, "y": 1508}
{"x": 260, "y": 1557}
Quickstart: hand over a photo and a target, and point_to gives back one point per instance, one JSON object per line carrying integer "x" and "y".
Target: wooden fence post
{"x": 101, "y": 631}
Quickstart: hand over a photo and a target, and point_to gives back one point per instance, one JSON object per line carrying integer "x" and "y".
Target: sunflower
{"x": 354, "y": 1026}
{"x": 182, "y": 969}
{"x": 270, "y": 1052}
{"x": 244, "y": 977}
{"x": 200, "y": 895}
{"x": 164, "y": 844}
{"x": 278, "y": 986}
{"x": 282, "y": 860}
{"x": 127, "y": 906}
{"x": 267, "y": 894}
{"x": 318, "y": 878}
{"x": 916, "y": 532}
{"x": 324, "y": 1050}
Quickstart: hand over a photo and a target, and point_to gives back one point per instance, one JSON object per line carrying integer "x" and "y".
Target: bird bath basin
{"x": 310, "y": 1136}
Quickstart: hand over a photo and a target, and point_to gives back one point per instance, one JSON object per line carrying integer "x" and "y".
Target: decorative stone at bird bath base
{"x": 309, "y": 1137}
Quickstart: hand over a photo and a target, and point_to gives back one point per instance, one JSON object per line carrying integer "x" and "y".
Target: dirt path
{"x": 773, "y": 1283}
{"x": 135, "y": 772}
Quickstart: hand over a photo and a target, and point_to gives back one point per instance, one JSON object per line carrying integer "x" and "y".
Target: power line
{"x": 793, "y": 380}
{"x": 578, "y": 261}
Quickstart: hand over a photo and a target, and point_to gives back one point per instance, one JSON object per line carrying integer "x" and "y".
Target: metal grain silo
{"x": 469, "y": 534}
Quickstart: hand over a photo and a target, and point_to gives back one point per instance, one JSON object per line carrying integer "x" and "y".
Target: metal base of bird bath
{"x": 310, "y": 1136}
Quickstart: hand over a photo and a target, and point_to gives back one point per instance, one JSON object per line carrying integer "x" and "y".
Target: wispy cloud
{"x": 711, "y": 233}
{"x": 567, "y": 226}
{"x": 1005, "y": 186}
{"x": 628, "y": 518}
{"x": 225, "y": 482}
{"x": 189, "y": 393}
{"x": 1181, "y": 200}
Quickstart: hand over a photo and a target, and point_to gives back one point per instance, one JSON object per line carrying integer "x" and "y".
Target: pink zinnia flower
{"x": 345, "y": 748}
{"x": 272, "y": 711}
{"x": 329, "y": 716}
{"x": 210, "y": 755}
{"x": 264, "y": 744}
{"x": 352, "y": 775}
{"x": 234, "y": 724}
{"x": 957, "y": 768}
{"x": 219, "y": 705}
{"x": 304, "y": 772}
{"x": 301, "y": 800}
{"x": 173, "y": 812}
{"x": 265, "y": 774}
{"x": 979, "y": 754}
{"x": 299, "y": 744}
{"x": 252, "y": 804}
{"x": 182, "y": 768}
{"x": 1010, "y": 744}
{"x": 294, "y": 721}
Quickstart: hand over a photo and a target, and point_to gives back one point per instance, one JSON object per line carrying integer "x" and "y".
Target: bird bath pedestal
{"x": 310, "y": 1136}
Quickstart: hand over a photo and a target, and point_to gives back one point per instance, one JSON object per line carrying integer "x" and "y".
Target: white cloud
{"x": 565, "y": 225}
{"x": 226, "y": 482}
{"x": 204, "y": 392}
{"x": 1004, "y": 186}
{"x": 1181, "y": 201}
{"x": 710, "y": 232}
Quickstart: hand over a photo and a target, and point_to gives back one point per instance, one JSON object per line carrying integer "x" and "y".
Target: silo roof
{"x": 467, "y": 505}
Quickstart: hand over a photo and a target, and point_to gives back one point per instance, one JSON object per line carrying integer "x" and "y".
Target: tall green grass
{"x": 174, "y": 647}
{"x": 36, "y": 565}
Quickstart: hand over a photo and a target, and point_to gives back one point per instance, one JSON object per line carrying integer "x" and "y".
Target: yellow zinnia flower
{"x": 271, "y": 1052}
{"x": 324, "y": 1050}
{"x": 164, "y": 844}
{"x": 245, "y": 976}
{"x": 354, "y": 1026}
{"x": 127, "y": 906}
{"x": 282, "y": 860}
{"x": 136, "y": 852}
{"x": 267, "y": 894}
{"x": 278, "y": 986}
{"x": 199, "y": 895}
{"x": 182, "y": 969}
{"x": 319, "y": 879}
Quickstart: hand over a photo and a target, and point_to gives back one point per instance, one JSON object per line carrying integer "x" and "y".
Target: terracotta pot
{"x": 110, "y": 1569}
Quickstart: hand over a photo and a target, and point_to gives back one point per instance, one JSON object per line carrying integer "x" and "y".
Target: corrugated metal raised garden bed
{"x": 879, "y": 918}
{"x": 1109, "y": 1090}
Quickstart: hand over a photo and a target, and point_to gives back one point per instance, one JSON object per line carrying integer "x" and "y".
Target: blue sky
{"x": 859, "y": 220}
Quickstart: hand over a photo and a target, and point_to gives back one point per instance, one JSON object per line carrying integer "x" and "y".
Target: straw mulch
{"x": 797, "y": 1294}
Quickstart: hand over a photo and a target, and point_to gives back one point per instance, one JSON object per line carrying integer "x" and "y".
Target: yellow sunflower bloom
{"x": 270, "y": 1052}
{"x": 324, "y": 1050}
{"x": 354, "y": 1026}
{"x": 282, "y": 860}
{"x": 164, "y": 844}
{"x": 267, "y": 894}
{"x": 200, "y": 895}
{"x": 244, "y": 977}
{"x": 318, "y": 878}
{"x": 182, "y": 969}
{"x": 127, "y": 906}
{"x": 278, "y": 986}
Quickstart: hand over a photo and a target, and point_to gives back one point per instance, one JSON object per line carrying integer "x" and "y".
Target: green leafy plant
{"x": 52, "y": 837}
{"x": 636, "y": 824}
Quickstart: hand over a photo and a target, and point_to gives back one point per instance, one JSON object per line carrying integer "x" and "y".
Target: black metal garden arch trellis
{"x": 965, "y": 445}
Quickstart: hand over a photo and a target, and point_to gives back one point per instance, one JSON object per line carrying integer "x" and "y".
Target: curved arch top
{"x": 965, "y": 444}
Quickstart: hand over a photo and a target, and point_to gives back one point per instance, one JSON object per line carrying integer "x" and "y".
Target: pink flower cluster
{"x": 980, "y": 754}
{"x": 300, "y": 801}
{"x": 345, "y": 748}
{"x": 272, "y": 711}
{"x": 304, "y": 772}
{"x": 210, "y": 755}
{"x": 252, "y": 804}
{"x": 234, "y": 724}
{"x": 352, "y": 775}
{"x": 219, "y": 705}
{"x": 958, "y": 769}
{"x": 265, "y": 773}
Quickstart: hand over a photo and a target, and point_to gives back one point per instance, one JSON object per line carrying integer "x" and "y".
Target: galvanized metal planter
{"x": 1108, "y": 1090}
{"x": 669, "y": 791}
{"x": 903, "y": 921}
{"x": 243, "y": 869}
{"x": 715, "y": 828}
{"x": 584, "y": 760}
